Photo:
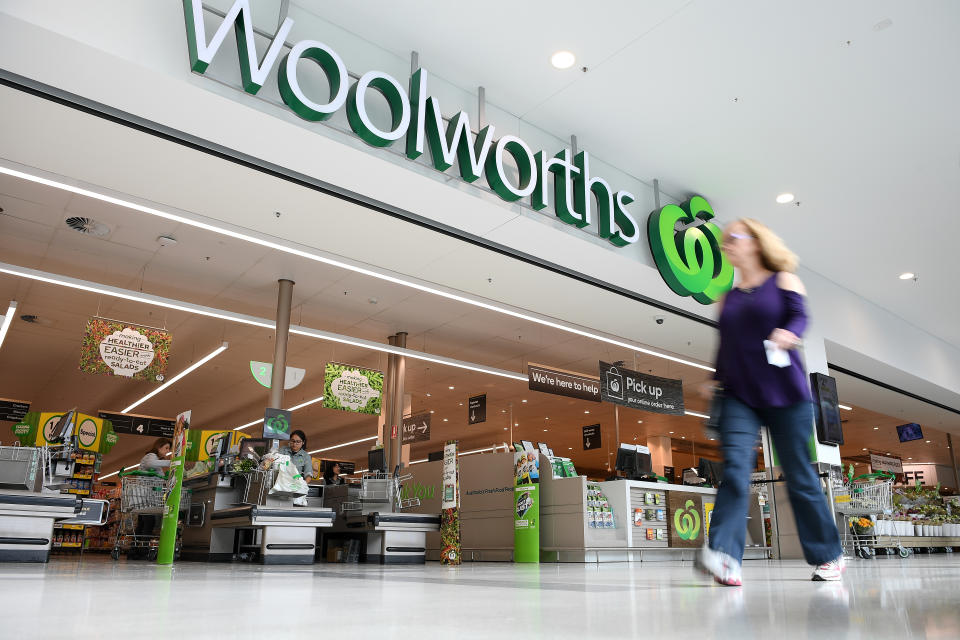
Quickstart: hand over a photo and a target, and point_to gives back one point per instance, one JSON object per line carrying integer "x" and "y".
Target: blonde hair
{"x": 774, "y": 253}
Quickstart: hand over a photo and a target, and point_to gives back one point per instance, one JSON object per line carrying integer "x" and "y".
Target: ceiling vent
{"x": 88, "y": 226}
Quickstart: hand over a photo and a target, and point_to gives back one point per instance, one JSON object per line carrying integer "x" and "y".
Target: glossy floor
{"x": 884, "y": 598}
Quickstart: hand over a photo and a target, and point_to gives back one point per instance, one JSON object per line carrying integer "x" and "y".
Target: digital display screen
{"x": 908, "y": 432}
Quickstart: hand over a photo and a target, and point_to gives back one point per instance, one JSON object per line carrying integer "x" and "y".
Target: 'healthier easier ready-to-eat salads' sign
{"x": 350, "y": 388}
{"x": 689, "y": 259}
{"x": 125, "y": 350}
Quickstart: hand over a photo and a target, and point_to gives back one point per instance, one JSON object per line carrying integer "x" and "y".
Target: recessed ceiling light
{"x": 451, "y": 388}
{"x": 875, "y": 428}
{"x": 516, "y": 424}
{"x": 563, "y": 59}
{"x": 928, "y": 442}
{"x": 684, "y": 437}
{"x": 671, "y": 432}
{"x": 546, "y": 418}
{"x": 866, "y": 448}
{"x": 503, "y": 410}
{"x": 524, "y": 400}
{"x": 586, "y": 411}
{"x": 432, "y": 411}
{"x": 445, "y": 420}
{"x": 784, "y": 198}
{"x": 428, "y": 395}
{"x": 461, "y": 404}
{"x": 909, "y": 458}
{"x": 544, "y": 430}
{"x": 504, "y": 428}
{"x": 906, "y": 275}
{"x": 571, "y": 449}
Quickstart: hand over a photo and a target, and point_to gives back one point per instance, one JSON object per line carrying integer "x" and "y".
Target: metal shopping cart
{"x": 866, "y": 495}
{"x": 143, "y": 494}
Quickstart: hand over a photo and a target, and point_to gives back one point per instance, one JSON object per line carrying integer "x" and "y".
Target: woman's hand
{"x": 784, "y": 339}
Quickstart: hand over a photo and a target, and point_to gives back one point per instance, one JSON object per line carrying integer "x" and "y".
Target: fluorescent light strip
{"x": 126, "y": 294}
{"x": 118, "y": 471}
{"x": 196, "y": 365}
{"x": 299, "y": 406}
{"x": 695, "y": 414}
{"x": 343, "y": 444}
{"x": 338, "y": 263}
{"x": 845, "y": 407}
{"x": 7, "y": 319}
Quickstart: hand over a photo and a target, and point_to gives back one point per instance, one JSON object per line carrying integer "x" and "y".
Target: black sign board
{"x": 416, "y": 428}
{"x": 345, "y": 467}
{"x": 591, "y": 437}
{"x": 13, "y": 410}
{"x": 477, "y": 409}
{"x": 563, "y": 383}
{"x": 640, "y": 390}
{"x": 139, "y": 425}
{"x": 670, "y": 474}
{"x": 276, "y": 423}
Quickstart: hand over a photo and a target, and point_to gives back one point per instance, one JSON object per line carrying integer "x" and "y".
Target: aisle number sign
{"x": 512, "y": 169}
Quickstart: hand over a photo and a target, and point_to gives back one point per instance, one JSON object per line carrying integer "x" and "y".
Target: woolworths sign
{"x": 689, "y": 259}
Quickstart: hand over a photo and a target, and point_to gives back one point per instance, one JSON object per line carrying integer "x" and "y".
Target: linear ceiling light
{"x": 696, "y": 415}
{"x": 845, "y": 407}
{"x": 57, "y": 184}
{"x": 189, "y": 307}
{"x": 196, "y": 365}
{"x": 299, "y": 406}
{"x": 113, "y": 473}
{"x": 7, "y": 319}
{"x": 343, "y": 444}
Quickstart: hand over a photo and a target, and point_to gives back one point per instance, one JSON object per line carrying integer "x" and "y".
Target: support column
{"x": 953, "y": 460}
{"x": 388, "y": 394}
{"x": 661, "y": 453}
{"x": 397, "y": 401}
{"x": 284, "y": 302}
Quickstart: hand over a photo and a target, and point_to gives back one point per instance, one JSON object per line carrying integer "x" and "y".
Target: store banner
{"x": 563, "y": 383}
{"x": 450, "y": 552}
{"x": 171, "y": 510}
{"x": 640, "y": 390}
{"x": 415, "y": 428}
{"x": 13, "y": 410}
{"x": 126, "y": 350}
{"x": 526, "y": 512}
{"x": 886, "y": 463}
{"x": 139, "y": 425}
{"x": 350, "y": 388}
{"x": 685, "y": 521}
{"x": 477, "y": 409}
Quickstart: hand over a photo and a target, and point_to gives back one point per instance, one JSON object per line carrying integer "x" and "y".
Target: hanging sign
{"x": 416, "y": 428}
{"x": 350, "y": 388}
{"x": 263, "y": 373}
{"x": 640, "y": 390}
{"x": 13, "y": 410}
{"x": 139, "y": 425}
{"x": 125, "y": 350}
{"x": 591, "y": 437}
{"x": 563, "y": 383}
{"x": 276, "y": 424}
{"x": 450, "y": 552}
{"x": 885, "y": 463}
{"x": 477, "y": 409}
{"x": 203, "y": 445}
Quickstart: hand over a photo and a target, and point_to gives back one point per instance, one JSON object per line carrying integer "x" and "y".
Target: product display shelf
{"x": 72, "y": 537}
{"x": 102, "y": 538}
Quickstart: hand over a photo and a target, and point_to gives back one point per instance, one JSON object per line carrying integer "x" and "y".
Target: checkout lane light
{"x": 125, "y": 294}
{"x": 7, "y": 320}
{"x": 299, "y": 406}
{"x": 343, "y": 444}
{"x": 196, "y": 365}
{"x": 167, "y": 215}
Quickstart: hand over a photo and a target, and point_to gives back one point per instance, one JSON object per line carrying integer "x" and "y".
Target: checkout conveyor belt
{"x": 280, "y": 535}
{"x": 259, "y": 516}
{"x": 26, "y": 524}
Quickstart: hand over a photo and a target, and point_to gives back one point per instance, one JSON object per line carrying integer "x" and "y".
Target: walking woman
{"x": 767, "y": 304}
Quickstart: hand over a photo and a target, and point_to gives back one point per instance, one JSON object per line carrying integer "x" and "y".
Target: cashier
{"x": 298, "y": 456}
{"x": 156, "y": 458}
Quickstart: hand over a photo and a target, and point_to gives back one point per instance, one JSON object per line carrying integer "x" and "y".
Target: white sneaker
{"x": 720, "y": 566}
{"x": 830, "y": 571}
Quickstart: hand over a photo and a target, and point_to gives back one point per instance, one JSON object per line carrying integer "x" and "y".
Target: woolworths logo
{"x": 510, "y": 167}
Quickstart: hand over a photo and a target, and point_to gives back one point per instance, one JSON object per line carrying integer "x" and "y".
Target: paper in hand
{"x": 775, "y": 355}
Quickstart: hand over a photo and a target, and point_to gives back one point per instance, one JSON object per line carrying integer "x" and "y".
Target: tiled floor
{"x": 884, "y": 598}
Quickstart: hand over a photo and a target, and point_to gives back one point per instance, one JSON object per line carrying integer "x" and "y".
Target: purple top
{"x": 747, "y": 319}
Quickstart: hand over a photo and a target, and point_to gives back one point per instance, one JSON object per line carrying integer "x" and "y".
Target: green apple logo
{"x": 686, "y": 521}
{"x": 690, "y": 260}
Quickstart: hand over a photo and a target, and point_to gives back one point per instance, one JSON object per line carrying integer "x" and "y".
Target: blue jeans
{"x": 790, "y": 427}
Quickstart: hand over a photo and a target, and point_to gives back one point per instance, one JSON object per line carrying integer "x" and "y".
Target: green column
{"x": 171, "y": 510}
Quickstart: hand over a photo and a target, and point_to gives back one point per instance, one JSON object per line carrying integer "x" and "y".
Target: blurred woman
{"x": 765, "y": 311}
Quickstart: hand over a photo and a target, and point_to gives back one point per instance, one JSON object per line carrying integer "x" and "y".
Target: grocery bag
{"x": 289, "y": 480}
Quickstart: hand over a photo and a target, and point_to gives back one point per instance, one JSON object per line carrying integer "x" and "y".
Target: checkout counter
{"x": 29, "y": 506}
{"x": 232, "y": 516}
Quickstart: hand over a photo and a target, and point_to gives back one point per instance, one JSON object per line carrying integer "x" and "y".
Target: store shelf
{"x": 82, "y": 476}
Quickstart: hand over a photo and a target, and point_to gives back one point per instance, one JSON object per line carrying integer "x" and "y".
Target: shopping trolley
{"x": 866, "y": 495}
{"x": 142, "y": 493}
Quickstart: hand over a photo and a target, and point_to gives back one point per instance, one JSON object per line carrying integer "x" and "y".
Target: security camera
{"x": 659, "y": 319}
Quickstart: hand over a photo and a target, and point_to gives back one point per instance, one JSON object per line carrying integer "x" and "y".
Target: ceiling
{"x": 843, "y": 104}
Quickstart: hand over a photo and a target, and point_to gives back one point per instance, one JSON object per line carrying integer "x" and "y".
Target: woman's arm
{"x": 795, "y": 322}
